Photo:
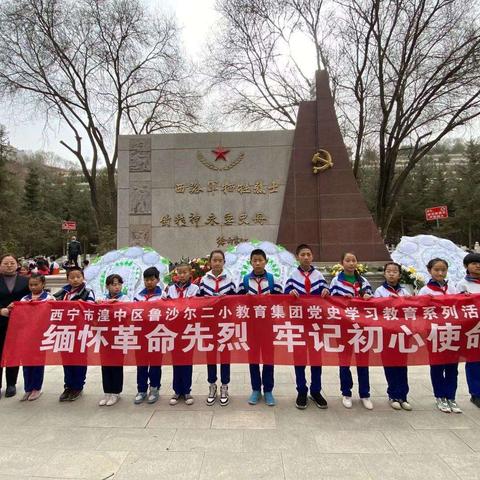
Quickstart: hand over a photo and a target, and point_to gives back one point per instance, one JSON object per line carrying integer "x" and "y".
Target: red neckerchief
{"x": 356, "y": 286}
{"x": 433, "y": 285}
{"x": 149, "y": 295}
{"x": 394, "y": 291}
{"x": 217, "y": 282}
{"x": 259, "y": 284}
{"x": 308, "y": 283}
{"x": 469, "y": 278}
{"x": 72, "y": 292}
{"x": 181, "y": 290}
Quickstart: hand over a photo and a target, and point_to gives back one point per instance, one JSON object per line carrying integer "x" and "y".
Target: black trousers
{"x": 11, "y": 372}
{"x": 112, "y": 379}
{"x": 74, "y": 259}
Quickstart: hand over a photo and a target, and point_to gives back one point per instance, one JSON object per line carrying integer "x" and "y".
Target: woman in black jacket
{"x": 13, "y": 287}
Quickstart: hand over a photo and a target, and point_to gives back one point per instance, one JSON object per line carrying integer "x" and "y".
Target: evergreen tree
{"x": 32, "y": 193}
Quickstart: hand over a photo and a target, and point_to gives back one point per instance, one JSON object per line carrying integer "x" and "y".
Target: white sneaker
{"x": 347, "y": 402}
{"x": 212, "y": 394}
{"x": 406, "y": 406}
{"x": 189, "y": 400}
{"x": 103, "y": 401}
{"x": 442, "y": 405}
{"x": 454, "y": 406}
{"x": 140, "y": 397}
{"x": 224, "y": 395}
{"x": 153, "y": 395}
{"x": 114, "y": 398}
{"x": 395, "y": 404}
{"x": 367, "y": 403}
{"x": 174, "y": 399}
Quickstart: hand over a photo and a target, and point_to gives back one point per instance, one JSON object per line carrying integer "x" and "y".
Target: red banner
{"x": 273, "y": 329}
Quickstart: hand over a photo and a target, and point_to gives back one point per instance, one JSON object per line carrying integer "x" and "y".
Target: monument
{"x": 185, "y": 194}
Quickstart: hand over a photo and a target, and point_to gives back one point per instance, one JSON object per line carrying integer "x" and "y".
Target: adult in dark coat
{"x": 74, "y": 250}
{"x": 12, "y": 288}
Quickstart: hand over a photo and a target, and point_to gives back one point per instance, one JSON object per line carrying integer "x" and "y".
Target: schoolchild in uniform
{"x": 444, "y": 377}
{"x": 33, "y": 375}
{"x": 182, "y": 374}
{"x": 149, "y": 373}
{"x": 397, "y": 377}
{"x": 307, "y": 280}
{"x": 75, "y": 290}
{"x": 471, "y": 284}
{"x": 260, "y": 282}
{"x": 349, "y": 283}
{"x": 217, "y": 282}
{"x": 112, "y": 376}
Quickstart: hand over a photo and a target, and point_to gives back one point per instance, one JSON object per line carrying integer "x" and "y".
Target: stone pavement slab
{"x": 48, "y": 440}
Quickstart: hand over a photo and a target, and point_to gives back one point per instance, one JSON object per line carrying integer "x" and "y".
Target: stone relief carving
{"x": 140, "y": 199}
{"x": 140, "y": 235}
{"x": 140, "y": 155}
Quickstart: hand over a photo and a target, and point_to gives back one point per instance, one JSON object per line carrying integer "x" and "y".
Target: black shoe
{"x": 475, "y": 400}
{"x": 11, "y": 391}
{"x": 65, "y": 395}
{"x": 320, "y": 402}
{"x": 74, "y": 394}
{"x": 301, "y": 402}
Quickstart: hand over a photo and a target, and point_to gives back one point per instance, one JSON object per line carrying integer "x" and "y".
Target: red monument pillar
{"x": 325, "y": 210}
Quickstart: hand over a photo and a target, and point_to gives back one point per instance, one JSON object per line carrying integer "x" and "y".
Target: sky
{"x": 28, "y": 132}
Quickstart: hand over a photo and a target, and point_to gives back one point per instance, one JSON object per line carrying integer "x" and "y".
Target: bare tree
{"x": 406, "y": 73}
{"x": 104, "y": 67}
{"x": 251, "y": 59}
{"x": 412, "y": 67}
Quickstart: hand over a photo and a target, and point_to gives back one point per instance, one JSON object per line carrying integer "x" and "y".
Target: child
{"x": 54, "y": 267}
{"x": 112, "y": 377}
{"x": 217, "y": 282}
{"x": 397, "y": 377}
{"x": 260, "y": 282}
{"x": 182, "y": 374}
{"x": 444, "y": 377}
{"x": 307, "y": 280}
{"x": 33, "y": 376}
{"x": 349, "y": 283}
{"x": 151, "y": 292}
{"x": 471, "y": 284}
{"x": 74, "y": 376}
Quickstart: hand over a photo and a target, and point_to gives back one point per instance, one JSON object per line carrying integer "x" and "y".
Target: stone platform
{"x": 46, "y": 439}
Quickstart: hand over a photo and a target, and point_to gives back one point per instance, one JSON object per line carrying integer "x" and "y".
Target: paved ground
{"x": 46, "y": 439}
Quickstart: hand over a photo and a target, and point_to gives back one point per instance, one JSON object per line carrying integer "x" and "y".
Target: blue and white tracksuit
{"x": 149, "y": 374}
{"x": 311, "y": 282}
{"x": 210, "y": 285}
{"x": 339, "y": 286}
{"x": 182, "y": 374}
{"x": 397, "y": 377}
{"x": 472, "y": 369}
{"x": 33, "y": 375}
{"x": 444, "y": 377}
{"x": 259, "y": 285}
{"x": 74, "y": 376}
{"x": 112, "y": 376}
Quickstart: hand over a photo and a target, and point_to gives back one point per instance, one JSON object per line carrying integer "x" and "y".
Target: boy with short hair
{"x": 74, "y": 376}
{"x": 307, "y": 280}
{"x": 260, "y": 282}
{"x": 182, "y": 374}
{"x": 153, "y": 373}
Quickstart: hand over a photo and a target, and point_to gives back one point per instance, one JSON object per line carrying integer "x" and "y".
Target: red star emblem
{"x": 220, "y": 153}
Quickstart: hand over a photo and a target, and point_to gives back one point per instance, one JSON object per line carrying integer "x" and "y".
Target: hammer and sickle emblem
{"x": 322, "y": 161}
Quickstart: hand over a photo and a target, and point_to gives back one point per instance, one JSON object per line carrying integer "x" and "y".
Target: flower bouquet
{"x": 410, "y": 277}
